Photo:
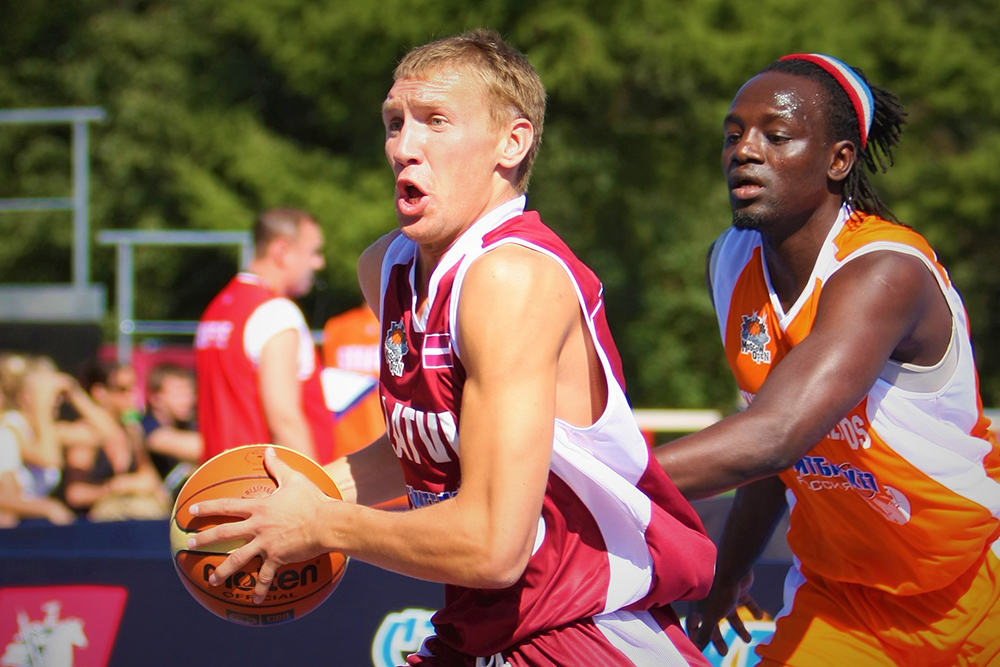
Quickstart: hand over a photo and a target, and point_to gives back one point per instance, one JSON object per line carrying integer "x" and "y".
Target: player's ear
{"x": 843, "y": 155}
{"x": 278, "y": 250}
{"x": 515, "y": 142}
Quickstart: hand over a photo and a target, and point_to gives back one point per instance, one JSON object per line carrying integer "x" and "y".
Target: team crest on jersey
{"x": 396, "y": 347}
{"x": 754, "y": 338}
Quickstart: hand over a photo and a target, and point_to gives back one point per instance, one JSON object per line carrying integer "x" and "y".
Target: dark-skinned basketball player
{"x": 851, "y": 347}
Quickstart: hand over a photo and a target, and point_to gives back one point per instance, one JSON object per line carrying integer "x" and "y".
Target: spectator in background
{"x": 256, "y": 363}
{"x": 112, "y": 386}
{"x": 29, "y": 388}
{"x": 172, "y": 440}
{"x": 18, "y": 501}
{"x": 108, "y": 474}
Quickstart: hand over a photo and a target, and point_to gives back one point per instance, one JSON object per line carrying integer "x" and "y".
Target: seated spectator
{"x": 172, "y": 439}
{"x": 15, "y": 502}
{"x": 113, "y": 386}
{"x": 114, "y": 480}
{"x": 29, "y": 386}
{"x": 18, "y": 497}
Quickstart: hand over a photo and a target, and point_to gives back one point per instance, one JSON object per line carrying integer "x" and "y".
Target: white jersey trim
{"x": 731, "y": 254}
{"x": 606, "y": 485}
{"x": 271, "y": 318}
{"x": 470, "y": 242}
{"x": 401, "y": 250}
{"x": 640, "y": 639}
{"x": 918, "y": 379}
{"x": 827, "y": 255}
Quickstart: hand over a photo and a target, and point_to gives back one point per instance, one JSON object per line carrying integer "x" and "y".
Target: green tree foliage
{"x": 217, "y": 109}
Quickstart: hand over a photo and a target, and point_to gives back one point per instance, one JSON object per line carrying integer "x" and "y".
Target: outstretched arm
{"x": 13, "y": 502}
{"x": 872, "y": 308}
{"x": 179, "y": 443}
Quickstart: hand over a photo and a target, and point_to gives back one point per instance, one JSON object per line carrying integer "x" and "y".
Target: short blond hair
{"x": 513, "y": 85}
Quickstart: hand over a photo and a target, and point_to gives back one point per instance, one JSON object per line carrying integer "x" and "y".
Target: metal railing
{"x": 81, "y": 299}
{"x": 125, "y": 242}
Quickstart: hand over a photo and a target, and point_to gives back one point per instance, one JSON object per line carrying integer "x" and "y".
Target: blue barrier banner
{"x": 163, "y": 626}
{"x": 107, "y": 595}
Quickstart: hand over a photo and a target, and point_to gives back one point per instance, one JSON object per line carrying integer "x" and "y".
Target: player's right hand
{"x": 722, "y": 601}
{"x": 280, "y": 528}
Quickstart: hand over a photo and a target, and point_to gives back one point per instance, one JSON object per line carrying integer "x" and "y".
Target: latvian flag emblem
{"x": 437, "y": 351}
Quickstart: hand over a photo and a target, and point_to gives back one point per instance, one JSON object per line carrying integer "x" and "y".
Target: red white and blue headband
{"x": 857, "y": 90}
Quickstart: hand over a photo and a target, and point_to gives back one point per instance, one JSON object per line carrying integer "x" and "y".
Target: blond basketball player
{"x": 535, "y": 499}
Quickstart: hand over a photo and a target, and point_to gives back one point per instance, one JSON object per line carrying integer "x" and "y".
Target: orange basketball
{"x": 298, "y": 588}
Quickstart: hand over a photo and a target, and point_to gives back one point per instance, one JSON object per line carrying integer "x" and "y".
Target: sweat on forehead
{"x": 853, "y": 84}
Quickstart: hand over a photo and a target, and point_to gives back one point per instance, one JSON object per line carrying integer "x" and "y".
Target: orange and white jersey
{"x": 904, "y": 493}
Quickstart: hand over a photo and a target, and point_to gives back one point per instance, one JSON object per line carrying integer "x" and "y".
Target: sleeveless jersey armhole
{"x": 606, "y": 369}
{"x": 906, "y": 376}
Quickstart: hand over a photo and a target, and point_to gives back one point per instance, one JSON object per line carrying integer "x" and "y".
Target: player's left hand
{"x": 723, "y": 601}
{"x": 281, "y": 528}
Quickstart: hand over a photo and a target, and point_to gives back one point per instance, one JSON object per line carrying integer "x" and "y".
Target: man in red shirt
{"x": 257, "y": 366}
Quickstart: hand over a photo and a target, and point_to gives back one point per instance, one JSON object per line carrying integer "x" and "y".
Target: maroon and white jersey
{"x": 614, "y": 533}
{"x": 229, "y": 340}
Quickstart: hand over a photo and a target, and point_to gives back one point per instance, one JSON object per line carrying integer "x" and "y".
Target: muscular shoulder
{"x": 890, "y": 304}
{"x": 513, "y": 290}
{"x": 512, "y": 271}
{"x": 895, "y": 274}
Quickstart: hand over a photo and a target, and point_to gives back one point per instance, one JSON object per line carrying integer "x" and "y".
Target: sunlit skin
{"x": 449, "y": 172}
{"x": 289, "y": 263}
{"x": 783, "y": 172}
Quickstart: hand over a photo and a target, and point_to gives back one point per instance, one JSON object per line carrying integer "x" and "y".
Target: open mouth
{"x": 410, "y": 193}
{"x": 410, "y": 199}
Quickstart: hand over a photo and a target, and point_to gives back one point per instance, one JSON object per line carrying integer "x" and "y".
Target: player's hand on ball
{"x": 280, "y": 528}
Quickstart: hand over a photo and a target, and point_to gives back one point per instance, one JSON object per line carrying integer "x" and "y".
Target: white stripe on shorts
{"x": 640, "y": 639}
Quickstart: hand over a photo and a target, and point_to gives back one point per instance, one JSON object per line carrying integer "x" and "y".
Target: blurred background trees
{"x": 218, "y": 109}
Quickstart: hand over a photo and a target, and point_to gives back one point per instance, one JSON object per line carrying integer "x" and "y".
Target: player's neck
{"x": 791, "y": 257}
{"x": 268, "y": 275}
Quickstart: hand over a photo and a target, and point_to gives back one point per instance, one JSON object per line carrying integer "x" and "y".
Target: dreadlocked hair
{"x": 887, "y": 125}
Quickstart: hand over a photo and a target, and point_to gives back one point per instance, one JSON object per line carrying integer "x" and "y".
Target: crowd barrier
{"x": 106, "y": 595}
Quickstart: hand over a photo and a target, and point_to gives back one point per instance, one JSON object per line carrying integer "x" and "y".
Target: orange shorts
{"x": 836, "y": 624}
